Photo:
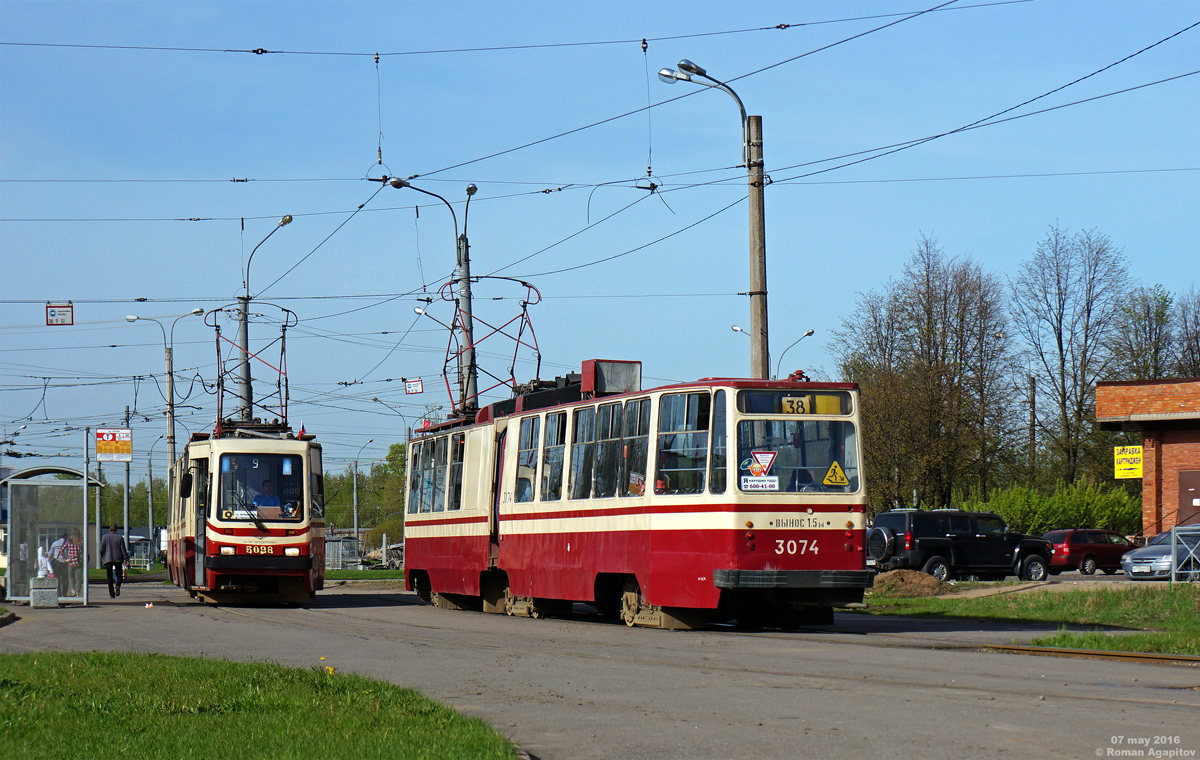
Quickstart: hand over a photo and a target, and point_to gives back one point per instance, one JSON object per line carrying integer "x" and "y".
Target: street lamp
{"x": 468, "y": 376}
{"x": 737, "y": 329}
{"x": 168, "y": 351}
{"x": 245, "y": 393}
{"x": 752, "y": 159}
{"x": 360, "y": 450}
{"x": 407, "y": 428}
{"x": 150, "y": 497}
{"x": 789, "y": 348}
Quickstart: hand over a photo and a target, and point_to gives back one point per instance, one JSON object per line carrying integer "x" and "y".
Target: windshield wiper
{"x": 251, "y": 510}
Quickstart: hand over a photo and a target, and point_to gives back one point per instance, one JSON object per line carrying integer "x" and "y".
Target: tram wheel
{"x": 630, "y": 601}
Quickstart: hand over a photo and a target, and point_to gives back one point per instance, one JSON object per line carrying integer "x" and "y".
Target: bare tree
{"x": 1187, "y": 334}
{"x": 1066, "y": 302}
{"x": 929, "y": 352}
{"x": 1143, "y": 340}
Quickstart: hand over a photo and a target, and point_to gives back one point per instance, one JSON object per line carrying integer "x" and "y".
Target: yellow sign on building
{"x": 1127, "y": 461}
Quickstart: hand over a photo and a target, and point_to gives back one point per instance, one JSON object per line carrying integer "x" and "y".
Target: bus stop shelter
{"x": 44, "y": 503}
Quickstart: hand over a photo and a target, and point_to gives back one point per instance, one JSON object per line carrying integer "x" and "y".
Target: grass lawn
{"x": 101, "y": 704}
{"x": 1168, "y": 617}
{"x": 363, "y": 575}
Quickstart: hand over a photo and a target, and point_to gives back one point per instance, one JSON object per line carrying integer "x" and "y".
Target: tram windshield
{"x": 797, "y": 456}
{"x": 257, "y": 487}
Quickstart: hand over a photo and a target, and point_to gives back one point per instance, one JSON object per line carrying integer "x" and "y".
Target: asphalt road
{"x": 867, "y": 687}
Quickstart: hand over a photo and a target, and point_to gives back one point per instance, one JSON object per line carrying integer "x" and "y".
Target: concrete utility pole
{"x": 760, "y": 352}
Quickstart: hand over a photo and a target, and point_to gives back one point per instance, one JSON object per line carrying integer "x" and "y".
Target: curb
{"x": 8, "y": 617}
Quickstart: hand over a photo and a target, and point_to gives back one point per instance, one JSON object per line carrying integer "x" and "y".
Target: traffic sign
{"x": 414, "y": 386}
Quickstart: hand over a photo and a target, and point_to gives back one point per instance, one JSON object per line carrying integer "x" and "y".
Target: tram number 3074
{"x": 796, "y": 547}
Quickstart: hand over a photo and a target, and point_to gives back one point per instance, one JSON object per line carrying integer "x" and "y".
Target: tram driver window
{"x": 552, "y": 456}
{"x": 258, "y": 487}
{"x": 527, "y": 458}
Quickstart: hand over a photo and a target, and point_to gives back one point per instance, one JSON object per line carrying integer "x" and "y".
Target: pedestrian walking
{"x": 58, "y": 563}
{"x": 73, "y": 552}
{"x": 114, "y": 556}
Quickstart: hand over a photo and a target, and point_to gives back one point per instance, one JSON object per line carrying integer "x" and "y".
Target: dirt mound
{"x": 909, "y": 583}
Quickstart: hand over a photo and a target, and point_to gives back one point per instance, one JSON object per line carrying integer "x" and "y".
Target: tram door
{"x": 200, "y": 518}
{"x": 497, "y": 483}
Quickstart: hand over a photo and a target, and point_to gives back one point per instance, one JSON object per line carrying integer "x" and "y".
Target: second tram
{"x": 670, "y": 508}
{"x": 247, "y": 516}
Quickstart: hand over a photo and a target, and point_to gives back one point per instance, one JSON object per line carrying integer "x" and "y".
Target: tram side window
{"x": 439, "y": 474}
{"x": 414, "y": 479}
{"x": 609, "y": 448}
{"x": 583, "y": 453}
{"x": 457, "y": 447}
{"x": 316, "y": 487}
{"x": 427, "y": 476}
{"x": 552, "y": 456}
{"x": 717, "y": 461}
{"x": 527, "y": 458}
{"x": 636, "y": 448}
{"x": 682, "y": 443}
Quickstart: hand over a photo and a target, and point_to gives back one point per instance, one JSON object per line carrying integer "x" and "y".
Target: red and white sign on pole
{"x": 414, "y": 386}
{"x": 60, "y": 314}
{"x": 114, "y": 445}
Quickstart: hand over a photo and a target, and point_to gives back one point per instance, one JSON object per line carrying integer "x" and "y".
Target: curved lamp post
{"x": 467, "y": 373}
{"x": 356, "y": 456}
{"x": 168, "y": 351}
{"x": 789, "y": 348}
{"x": 752, "y": 159}
{"x": 245, "y": 392}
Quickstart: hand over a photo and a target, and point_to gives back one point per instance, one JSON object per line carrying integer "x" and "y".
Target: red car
{"x": 1086, "y": 550}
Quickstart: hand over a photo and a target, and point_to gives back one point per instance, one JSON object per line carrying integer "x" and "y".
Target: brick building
{"x": 1167, "y": 414}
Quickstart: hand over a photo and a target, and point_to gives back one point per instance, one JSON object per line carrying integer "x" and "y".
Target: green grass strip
{"x": 102, "y": 704}
{"x": 364, "y": 575}
{"x": 1169, "y": 616}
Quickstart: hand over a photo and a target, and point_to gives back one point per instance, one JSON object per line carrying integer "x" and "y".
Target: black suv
{"x": 949, "y": 542}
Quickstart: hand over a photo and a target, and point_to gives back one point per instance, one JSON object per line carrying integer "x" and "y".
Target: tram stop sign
{"x": 114, "y": 445}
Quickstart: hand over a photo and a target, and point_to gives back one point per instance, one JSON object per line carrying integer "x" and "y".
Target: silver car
{"x": 1153, "y": 561}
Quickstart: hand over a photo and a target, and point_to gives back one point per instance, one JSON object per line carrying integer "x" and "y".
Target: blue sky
{"x": 87, "y": 113}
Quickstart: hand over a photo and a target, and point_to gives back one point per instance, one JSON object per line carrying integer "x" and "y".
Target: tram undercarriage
{"x": 255, "y": 589}
{"x": 620, "y": 597}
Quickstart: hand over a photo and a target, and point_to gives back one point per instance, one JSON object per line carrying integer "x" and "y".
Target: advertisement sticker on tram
{"x": 759, "y": 466}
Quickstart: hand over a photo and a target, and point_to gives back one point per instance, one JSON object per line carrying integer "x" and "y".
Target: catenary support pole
{"x": 760, "y": 354}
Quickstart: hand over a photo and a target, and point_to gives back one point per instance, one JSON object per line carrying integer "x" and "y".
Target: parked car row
{"x": 952, "y": 543}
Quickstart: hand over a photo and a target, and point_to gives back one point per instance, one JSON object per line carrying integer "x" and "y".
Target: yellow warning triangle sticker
{"x": 835, "y": 476}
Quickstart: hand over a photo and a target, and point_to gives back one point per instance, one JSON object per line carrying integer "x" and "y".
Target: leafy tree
{"x": 1143, "y": 340}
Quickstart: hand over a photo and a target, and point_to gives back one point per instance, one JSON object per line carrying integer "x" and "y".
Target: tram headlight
{"x": 291, "y": 551}
{"x": 226, "y": 550}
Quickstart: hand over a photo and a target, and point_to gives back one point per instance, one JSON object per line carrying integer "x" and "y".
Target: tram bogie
{"x": 669, "y": 508}
{"x": 247, "y": 519}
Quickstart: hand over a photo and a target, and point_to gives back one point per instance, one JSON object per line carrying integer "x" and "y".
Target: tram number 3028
{"x": 796, "y": 547}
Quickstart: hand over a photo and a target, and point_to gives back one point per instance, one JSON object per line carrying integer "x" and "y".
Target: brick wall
{"x": 1120, "y": 400}
{"x": 1180, "y": 451}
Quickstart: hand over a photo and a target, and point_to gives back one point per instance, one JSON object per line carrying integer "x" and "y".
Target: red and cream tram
{"x": 671, "y": 508}
{"x": 247, "y": 518}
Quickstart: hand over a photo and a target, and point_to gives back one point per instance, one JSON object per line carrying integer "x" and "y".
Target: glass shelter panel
{"x": 45, "y": 538}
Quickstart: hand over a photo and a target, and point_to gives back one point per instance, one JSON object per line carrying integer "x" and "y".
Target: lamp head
{"x": 287, "y": 219}
{"x": 375, "y": 399}
{"x": 396, "y": 182}
{"x": 370, "y": 440}
{"x": 805, "y": 335}
{"x": 196, "y": 310}
{"x": 691, "y": 68}
{"x": 735, "y": 328}
{"x": 471, "y": 189}
{"x": 419, "y": 310}
{"x": 131, "y": 317}
{"x": 670, "y": 76}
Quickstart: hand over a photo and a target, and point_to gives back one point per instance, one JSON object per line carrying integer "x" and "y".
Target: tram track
{"x": 337, "y": 622}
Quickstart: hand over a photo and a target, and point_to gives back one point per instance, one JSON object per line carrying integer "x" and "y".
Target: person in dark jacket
{"x": 114, "y": 556}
